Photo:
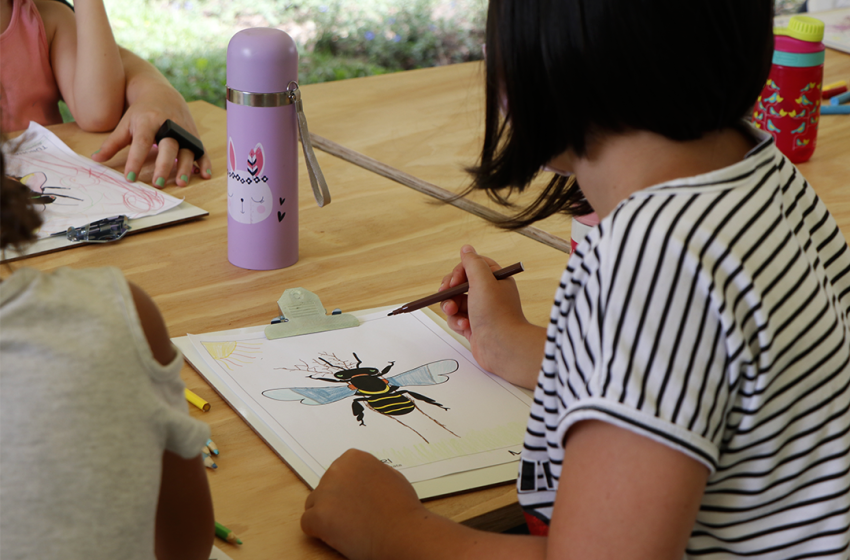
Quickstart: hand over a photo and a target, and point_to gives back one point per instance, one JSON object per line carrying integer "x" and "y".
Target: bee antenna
{"x": 330, "y": 364}
{"x": 356, "y": 358}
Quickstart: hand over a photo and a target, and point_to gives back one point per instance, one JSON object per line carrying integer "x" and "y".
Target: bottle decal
{"x": 774, "y": 98}
{"x": 249, "y": 198}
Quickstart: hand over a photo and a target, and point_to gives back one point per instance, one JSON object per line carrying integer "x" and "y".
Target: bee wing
{"x": 429, "y": 374}
{"x": 310, "y": 395}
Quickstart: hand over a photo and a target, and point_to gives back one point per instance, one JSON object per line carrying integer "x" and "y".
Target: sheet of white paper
{"x": 84, "y": 191}
{"x": 483, "y": 426}
{"x": 218, "y": 554}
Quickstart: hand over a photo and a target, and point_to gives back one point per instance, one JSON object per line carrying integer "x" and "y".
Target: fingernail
{"x": 131, "y": 176}
{"x": 467, "y": 249}
{"x": 96, "y": 152}
{"x": 160, "y": 182}
{"x": 184, "y": 178}
{"x": 209, "y": 171}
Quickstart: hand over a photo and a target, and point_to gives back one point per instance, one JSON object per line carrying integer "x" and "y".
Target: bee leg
{"x": 434, "y": 420}
{"x": 423, "y": 398}
{"x": 357, "y": 410}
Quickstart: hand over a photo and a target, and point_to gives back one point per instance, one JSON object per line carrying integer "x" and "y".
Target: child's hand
{"x": 360, "y": 505}
{"x": 137, "y": 129}
{"x": 490, "y": 316}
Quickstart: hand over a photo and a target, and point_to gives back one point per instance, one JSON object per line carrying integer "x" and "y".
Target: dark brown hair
{"x": 18, "y": 218}
{"x": 560, "y": 72}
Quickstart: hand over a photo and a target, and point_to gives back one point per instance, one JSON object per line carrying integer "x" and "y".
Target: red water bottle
{"x": 789, "y": 105}
{"x": 580, "y": 226}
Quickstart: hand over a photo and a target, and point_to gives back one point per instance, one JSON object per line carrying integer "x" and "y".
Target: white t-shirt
{"x": 85, "y": 415}
{"x": 710, "y": 314}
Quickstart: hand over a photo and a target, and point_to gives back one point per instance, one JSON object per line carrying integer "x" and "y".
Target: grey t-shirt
{"x": 85, "y": 415}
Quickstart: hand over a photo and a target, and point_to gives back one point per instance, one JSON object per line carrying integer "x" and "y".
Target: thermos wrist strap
{"x": 317, "y": 179}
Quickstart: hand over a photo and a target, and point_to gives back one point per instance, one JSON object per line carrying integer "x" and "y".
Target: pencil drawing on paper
{"x": 398, "y": 387}
{"x": 232, "y": 354}
{"x": 383, "y": 395}
{"x": 72, "y": 191}
{"x": 37, "y": 183}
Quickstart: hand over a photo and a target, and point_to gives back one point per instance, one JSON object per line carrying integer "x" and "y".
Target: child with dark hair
{"x": 100, "y": 456}
{"x": 694, "y": 394}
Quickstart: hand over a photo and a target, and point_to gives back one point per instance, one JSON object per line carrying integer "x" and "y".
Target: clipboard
{"x": 181, "y": 213}
{"x": 439, "y": 486}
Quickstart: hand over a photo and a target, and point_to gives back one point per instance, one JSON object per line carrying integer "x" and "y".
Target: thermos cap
{"x": 261, "y": 60}
{"x": 804, "y": 28}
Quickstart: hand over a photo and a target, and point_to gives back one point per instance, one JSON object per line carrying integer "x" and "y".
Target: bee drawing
{"x": 382, "y": 395}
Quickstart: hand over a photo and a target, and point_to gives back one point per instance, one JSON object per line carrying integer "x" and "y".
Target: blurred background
{"x": 337, "y": 39}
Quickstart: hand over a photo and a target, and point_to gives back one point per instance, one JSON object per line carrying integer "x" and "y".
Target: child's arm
{"x": 490, "y": 317}
{"x": 621, "y": 495}
{"x": 85, "y": 61}
{"x": 185, "y": 526}
{"x": 184, "y": 518}
{"x": 151, "y": 100}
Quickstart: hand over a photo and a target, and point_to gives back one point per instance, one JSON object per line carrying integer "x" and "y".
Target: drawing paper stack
{"x": 401, "y": 388}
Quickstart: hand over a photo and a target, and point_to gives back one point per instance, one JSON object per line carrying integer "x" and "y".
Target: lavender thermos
{"x": 262, "y": 143}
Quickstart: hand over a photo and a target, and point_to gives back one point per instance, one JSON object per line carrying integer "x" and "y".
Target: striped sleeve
{"x": 710, "y": 314}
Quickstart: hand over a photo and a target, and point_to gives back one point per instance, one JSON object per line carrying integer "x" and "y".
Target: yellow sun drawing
{"x": 235, "y": 354}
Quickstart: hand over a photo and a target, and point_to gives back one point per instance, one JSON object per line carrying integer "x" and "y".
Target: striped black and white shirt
{"x": 710, "y": 314}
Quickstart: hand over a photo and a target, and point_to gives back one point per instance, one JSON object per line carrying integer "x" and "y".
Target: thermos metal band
{"x": 250, "y": 99}
{"x": 799, "y": 60}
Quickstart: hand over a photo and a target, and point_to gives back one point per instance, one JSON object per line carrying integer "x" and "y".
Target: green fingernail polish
{"x": 184, "y": 178}
{"x": 209, "y": 171}
{"x": 131, "y": 176}
{"x": 96, "y": 152}
{"x": 160, "y": 182}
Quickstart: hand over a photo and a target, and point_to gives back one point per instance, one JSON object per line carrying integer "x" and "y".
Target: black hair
{"x": 563, "y": 72}
{"x": 18, "y": 217}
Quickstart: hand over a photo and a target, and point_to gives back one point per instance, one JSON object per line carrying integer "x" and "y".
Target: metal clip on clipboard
{"x": 302, "y": 313}
{"x": 100, "y": 231}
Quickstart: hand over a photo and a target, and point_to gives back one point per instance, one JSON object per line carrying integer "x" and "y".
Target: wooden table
{"x": 430, "y": 124}
{"x": 378, "y": 243}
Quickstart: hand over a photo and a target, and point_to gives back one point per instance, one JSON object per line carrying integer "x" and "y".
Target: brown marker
{"x": 456, "y": 291}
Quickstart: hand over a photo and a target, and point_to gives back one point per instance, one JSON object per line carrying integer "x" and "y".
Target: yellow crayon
{"x": 197, "y": 401}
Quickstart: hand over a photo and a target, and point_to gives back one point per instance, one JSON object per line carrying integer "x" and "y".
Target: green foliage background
{"x": 337, "y": 39}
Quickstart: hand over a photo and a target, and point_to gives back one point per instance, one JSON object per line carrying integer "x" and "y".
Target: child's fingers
{"x": 168, "y": 148}
{"x": 185, "y": 161}
{"x": 116, "y": 140}
{"x": 140, "y": 147}
{"x": 205, "y": 166}
{"x": 458, "y": 276}
{"x": 477, "y": 269}
{"x": 454, "y": 305}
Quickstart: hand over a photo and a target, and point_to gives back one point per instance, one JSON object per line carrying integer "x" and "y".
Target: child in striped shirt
{"x": 694, "y": 393}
